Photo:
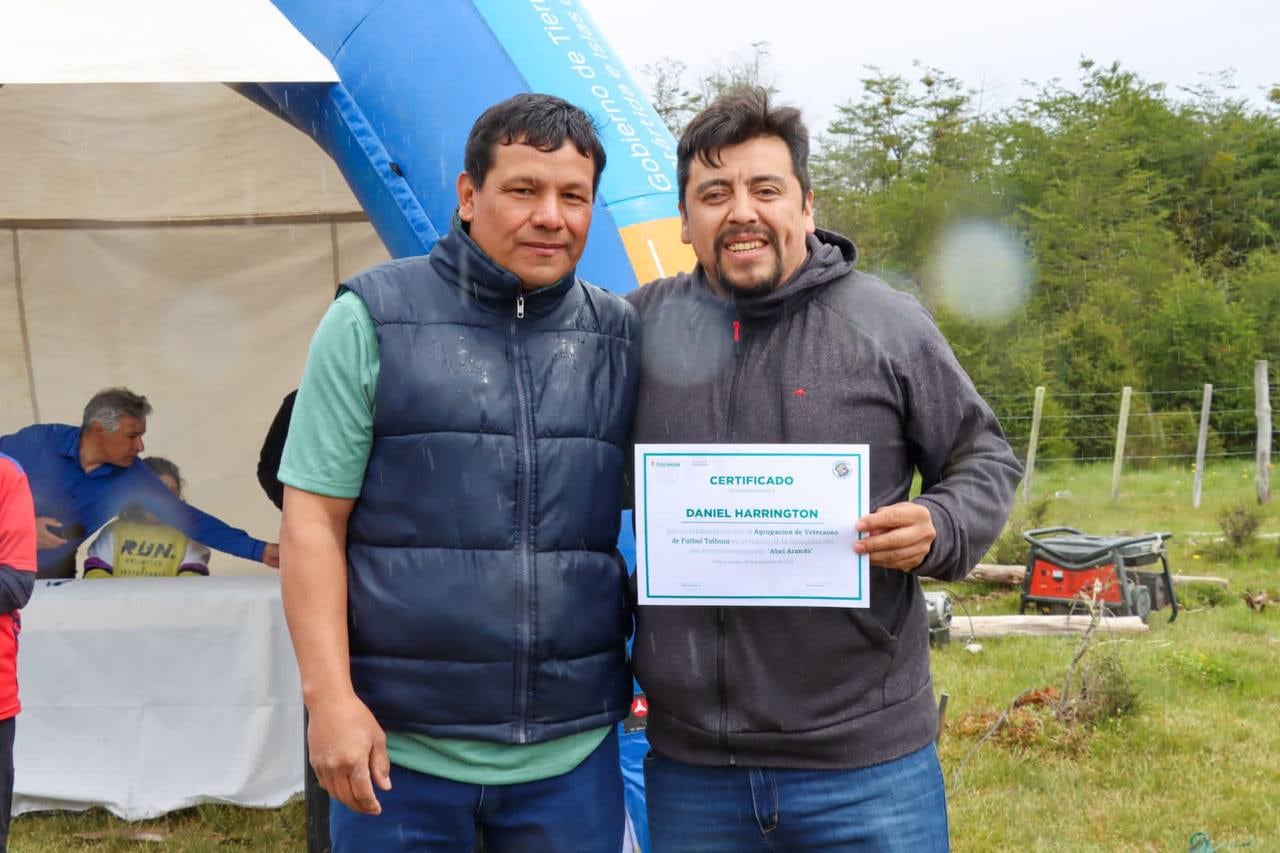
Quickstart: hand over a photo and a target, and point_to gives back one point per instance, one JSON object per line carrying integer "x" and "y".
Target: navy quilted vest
{"x": 485, "y": 595}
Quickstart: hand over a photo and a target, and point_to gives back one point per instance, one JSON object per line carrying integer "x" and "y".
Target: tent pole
{"x": 22, "y": 326}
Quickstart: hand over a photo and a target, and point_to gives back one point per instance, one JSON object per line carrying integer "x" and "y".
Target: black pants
{"x": 315, "y": 798}
{"x": 64, "y": 568}
{"x": 6, "y": 779}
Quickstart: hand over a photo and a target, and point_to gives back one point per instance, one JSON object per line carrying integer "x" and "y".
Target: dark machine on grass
{"x": 1064, "y": 562}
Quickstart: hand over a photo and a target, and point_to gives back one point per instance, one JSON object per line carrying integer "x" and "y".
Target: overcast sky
{"x": 819, "y": 48}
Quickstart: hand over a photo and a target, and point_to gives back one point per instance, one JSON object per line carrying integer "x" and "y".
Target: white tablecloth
{"x": 153, "y": 694}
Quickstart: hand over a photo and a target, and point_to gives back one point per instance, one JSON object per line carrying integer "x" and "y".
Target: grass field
{"x": 1200, "y": 752}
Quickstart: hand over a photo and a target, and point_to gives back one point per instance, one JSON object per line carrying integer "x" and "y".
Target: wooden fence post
{"x": 1262, "y": 408}
{"x": 1201, "y": 443}
{"x": 1030, "y": 467}
{"x": 1122, "y": 428}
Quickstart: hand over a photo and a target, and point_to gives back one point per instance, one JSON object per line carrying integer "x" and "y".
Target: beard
{"x": 739, "y": 286}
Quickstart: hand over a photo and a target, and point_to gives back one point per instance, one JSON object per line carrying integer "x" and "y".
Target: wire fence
{"x": 1160, "y": 427}
{"x": 1232, "y": 431}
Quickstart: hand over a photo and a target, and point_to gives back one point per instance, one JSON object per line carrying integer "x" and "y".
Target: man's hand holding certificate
{"x": 759, "y": 524}
{"x": 897, "y": 536}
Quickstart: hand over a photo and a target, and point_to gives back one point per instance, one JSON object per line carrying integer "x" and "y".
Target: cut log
{"x": 1041, "y": 626}
{"x": 1180, "y": 580}
{"x": 1012, "y": 576}
{"x": 996, "y": 573}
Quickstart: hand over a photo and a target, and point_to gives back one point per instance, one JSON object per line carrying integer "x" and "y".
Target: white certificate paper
{"x": 751, "y": 524}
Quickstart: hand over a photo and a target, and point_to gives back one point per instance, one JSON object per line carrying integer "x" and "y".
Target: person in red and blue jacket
{"x": 82, "y": 477}
{"x": 17, "y": 577}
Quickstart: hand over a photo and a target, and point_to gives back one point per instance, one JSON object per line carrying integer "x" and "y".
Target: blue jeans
{"x": 581, "y": 810}
{"x": 898, "y": 805}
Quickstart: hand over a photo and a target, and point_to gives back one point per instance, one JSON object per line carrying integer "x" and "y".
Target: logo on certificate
{"x": 841, "y": 469}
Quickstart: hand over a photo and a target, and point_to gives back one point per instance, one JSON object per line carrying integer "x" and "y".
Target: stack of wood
{"x": 1042, "y": 626}
{"x": 1012, "y": 576}
{"x": 1059, "y": 625}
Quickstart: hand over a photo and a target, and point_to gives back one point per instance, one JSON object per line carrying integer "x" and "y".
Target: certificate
{"x": 751, "y": 524}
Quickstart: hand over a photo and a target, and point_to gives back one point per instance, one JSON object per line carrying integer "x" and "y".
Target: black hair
{"x": 161, "y": 466}
{"x": 738, "y": 116}
{"x": 543, "y": 121}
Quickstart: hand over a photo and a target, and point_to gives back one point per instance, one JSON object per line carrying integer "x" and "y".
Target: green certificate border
{"x": 859, "y": 598}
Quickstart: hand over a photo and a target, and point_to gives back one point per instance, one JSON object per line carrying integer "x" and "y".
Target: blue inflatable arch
{"x": 414, "y": 77}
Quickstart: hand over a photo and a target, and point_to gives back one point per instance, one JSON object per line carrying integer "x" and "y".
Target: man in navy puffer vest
{"x": 452, "y": 481}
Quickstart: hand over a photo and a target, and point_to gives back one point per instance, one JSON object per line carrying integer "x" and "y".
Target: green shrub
{"x": 1239, "y": 523}
{"x": 1198, "y": 595}
{"x": 1010, "y": 548}
{"x": 1106, "y": 691}
{"x": 1168, "y": 433}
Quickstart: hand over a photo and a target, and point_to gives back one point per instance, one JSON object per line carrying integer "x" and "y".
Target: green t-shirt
{"x": 330, "y": 435}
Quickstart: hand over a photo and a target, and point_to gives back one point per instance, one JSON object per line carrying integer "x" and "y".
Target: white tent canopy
{"x": 149, "y": 152}
{"x": 164, "y": 233}
{"x": 179, "y": 240}
{"x": 154, "y": 41}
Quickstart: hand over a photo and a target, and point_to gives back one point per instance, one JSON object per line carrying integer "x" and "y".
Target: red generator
{"x": 1064, "y": 562}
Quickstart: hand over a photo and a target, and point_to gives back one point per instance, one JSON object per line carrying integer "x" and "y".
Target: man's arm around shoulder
{"x": 642, "y": 298}
{"x": 348, "y": 747}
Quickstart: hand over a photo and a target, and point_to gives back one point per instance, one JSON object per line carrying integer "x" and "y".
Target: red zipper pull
{"x": 737, "y": 331}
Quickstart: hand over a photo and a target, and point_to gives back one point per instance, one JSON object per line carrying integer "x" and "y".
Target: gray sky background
{"x": 818, "y": 49}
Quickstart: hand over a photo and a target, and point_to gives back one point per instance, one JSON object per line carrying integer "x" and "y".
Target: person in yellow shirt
{"x": 136, "y": 545}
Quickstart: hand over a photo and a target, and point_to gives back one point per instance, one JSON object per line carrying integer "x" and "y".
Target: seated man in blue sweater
{"x": 82, "y": 477}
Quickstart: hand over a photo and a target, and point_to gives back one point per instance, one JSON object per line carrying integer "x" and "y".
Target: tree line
{"x": 1149, "y": 221}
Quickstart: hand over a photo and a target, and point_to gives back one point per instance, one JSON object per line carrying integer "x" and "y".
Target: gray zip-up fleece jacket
{"x": 830, "y": 356}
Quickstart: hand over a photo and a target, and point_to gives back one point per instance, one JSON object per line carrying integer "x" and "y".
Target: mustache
{"x": 761, "y": 231}
{"x": 744, "y": 288}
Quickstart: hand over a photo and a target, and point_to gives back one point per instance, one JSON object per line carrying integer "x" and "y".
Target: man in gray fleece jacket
{"x": 787, "y": 727}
